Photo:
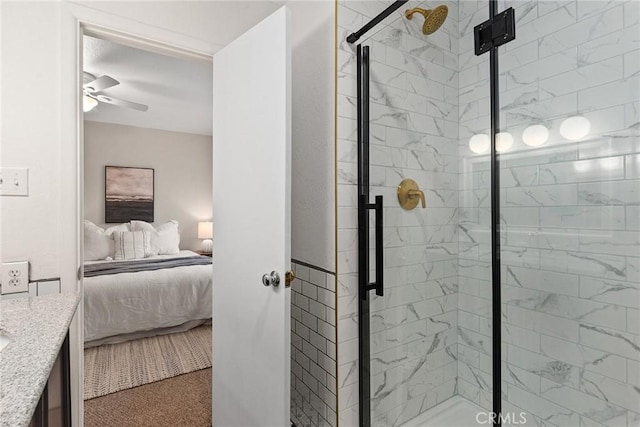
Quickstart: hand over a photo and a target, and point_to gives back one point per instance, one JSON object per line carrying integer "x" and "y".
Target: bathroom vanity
{"x": 34, "y": 360}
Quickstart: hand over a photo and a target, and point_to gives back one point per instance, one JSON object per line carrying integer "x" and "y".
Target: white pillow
{"x": 98, "y": 242}
{"x": 131, "y": 244}
{"x": 165, "y": 238}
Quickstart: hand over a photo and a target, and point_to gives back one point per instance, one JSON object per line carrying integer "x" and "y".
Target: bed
{"x": 121, "y": 303}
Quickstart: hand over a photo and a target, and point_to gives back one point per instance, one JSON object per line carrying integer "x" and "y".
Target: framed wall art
{"x": 128, "y": 194}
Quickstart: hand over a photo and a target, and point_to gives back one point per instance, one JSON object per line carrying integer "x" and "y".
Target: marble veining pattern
{"x": 414, "y": 133}
{"x": 569, "y": 215}
{"x": 569, "y": 246}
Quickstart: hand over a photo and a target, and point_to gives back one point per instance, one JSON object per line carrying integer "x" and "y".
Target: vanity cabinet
{"x": 54, "y": 406}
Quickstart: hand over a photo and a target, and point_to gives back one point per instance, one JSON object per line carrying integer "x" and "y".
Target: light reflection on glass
{"x": 504, "y": 141}
{"x": 535, "y": 135}
{"x": 479, "y": 143}
{"x": 575, "y": 128}
{"x": 583, "y": 166}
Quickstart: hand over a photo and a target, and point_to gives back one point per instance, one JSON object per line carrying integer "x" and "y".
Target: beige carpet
{"x": 184, "y": 400}
{"x": 116, "y": 367}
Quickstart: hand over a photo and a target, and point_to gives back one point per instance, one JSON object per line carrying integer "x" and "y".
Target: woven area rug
{"x": 116, "y": 367}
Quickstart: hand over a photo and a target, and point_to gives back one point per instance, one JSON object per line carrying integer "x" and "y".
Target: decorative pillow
{"x": 98, "y": 242}
{"x": 131, "y": 244}
{"x": 165, "y": 238}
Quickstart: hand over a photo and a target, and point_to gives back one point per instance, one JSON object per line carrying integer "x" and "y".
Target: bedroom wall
{"x": 183, "y": 172}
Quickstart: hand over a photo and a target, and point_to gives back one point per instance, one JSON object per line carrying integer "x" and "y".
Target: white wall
{"x": 30, "y": 136}
{"x": 313, "y": 134}
{"x": 182, "y": 165}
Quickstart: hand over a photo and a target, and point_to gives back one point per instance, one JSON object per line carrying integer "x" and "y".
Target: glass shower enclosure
{"x": 489, "y": 193}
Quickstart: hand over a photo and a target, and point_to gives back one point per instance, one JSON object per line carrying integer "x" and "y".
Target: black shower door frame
{"x": 364, "y": 206}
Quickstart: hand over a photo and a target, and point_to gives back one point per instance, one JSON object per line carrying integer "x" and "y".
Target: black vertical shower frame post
{"x": 364, "y": 350}
{"x": 496, "y": 306}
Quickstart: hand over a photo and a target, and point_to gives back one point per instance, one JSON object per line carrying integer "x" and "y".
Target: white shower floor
{"x": 454, "y": 412}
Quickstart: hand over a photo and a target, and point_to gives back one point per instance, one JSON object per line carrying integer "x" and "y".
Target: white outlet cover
{"x": 15, "y": 277}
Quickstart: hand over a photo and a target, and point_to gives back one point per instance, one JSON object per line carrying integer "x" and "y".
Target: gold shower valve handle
{"x": 409, "y": 194}
{"x": 419, "y": 194}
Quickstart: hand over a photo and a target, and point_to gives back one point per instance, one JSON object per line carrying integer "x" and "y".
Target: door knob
{"x": 272, "y": 279}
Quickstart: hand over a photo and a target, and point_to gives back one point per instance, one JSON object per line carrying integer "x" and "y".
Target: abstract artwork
{"x": 128, "y": 194}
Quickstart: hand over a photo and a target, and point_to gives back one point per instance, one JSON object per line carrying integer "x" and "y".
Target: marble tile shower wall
{"x": 474, "y": 227}
{"x": 414, "y": 134}
{"x": 313, "y": 347}
{"x": 570, "y": 217}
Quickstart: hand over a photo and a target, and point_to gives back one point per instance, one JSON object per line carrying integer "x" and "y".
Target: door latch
{"x": 288, "y": 278}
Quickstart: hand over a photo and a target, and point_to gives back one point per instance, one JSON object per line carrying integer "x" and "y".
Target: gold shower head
{"x": 433, "y": 18}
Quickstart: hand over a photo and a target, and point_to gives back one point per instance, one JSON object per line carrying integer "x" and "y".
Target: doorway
{"x": 148, "y": 179}
{"x": 252, "y": 318}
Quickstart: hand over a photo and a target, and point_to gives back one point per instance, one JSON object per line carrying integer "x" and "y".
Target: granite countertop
{"x": 37, "y": 327}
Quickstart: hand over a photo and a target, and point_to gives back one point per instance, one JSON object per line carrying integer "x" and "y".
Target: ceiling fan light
{"x": 88, "y": 103}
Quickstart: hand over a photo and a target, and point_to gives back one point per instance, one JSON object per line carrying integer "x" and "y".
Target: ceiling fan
{"x": 93, "y": 86}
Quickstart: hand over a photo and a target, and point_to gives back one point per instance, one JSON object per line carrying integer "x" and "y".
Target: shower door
{"x": 523, "y": 269}
{"x": 414, "y": 353}
{"x": 570, "y": 186}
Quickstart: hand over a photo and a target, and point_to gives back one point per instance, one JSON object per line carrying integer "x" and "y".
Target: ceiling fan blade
{"x": 122, "y": 103}
{"x": 101, "y": 83}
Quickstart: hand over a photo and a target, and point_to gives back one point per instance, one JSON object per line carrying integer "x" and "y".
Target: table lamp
{"x": 205, "y": 231}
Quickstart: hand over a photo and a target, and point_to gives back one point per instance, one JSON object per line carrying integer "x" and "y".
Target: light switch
{"x": 14, "y": 182}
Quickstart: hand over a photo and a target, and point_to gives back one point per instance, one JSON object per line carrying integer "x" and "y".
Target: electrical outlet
{"x": 15, "y": 277}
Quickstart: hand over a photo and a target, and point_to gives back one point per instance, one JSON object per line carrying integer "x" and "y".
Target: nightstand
{"x": 199, "y": 252}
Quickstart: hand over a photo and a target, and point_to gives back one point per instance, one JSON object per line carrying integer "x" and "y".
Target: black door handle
{"x": 379, "y": 285}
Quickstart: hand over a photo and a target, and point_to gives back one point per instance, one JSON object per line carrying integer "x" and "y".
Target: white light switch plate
{"x": 14, "y": 182}
{"x": 15, "y": 277}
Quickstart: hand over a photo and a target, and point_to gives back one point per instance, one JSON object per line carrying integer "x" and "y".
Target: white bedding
{"x": 123, "y": 303}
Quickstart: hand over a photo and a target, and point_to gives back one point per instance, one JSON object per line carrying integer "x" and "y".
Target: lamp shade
{"x": 205, "y": 230}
